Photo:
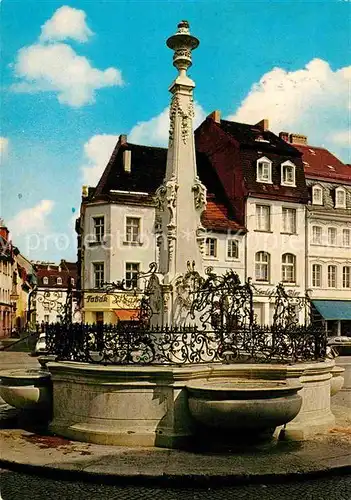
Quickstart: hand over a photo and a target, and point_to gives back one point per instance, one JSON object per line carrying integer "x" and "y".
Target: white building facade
{"x": 328, "y": 236}
{"x": 276, "y": 249}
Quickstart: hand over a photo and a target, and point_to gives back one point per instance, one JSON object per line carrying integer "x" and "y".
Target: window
{"x": 332, "y": 276}
{"x": 340, "y": 198}
{"x": 317, "y": 195}
{"x": 99, "y": 229}
{"x": 211, "y": 247}
{"x": 289, "y": 220}
{"x": 317, "y": 235}
{"x": 288, "y": 174}
{"x": 288, "y": 268}
{"x": 346, "y": 277}
{"x": 132, "y": 274}
{"x": 45, "y": 280}
{"x": 99, "y": 277}
{"x": 59, "y": 281}
{"x": 72, "y": 281}
{"x": 133, "y": 229}
{"x": 316, "y": 275}
{"x": 262, "y": 266}
{"x": 331, "y": 235}
{"x": 46, "y": 318}
{"x": 346, "y": 237}
{"x": 263, "y": 217}
{"x": 233, "y": 249}
{"x": 264, "y": 170}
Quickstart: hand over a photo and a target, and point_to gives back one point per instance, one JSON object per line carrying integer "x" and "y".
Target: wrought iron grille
{"x": 114, "y": 344}
{"x": 222, "y": 326}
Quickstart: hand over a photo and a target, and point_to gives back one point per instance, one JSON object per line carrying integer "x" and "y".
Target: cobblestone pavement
{"x": 15, "y": 486}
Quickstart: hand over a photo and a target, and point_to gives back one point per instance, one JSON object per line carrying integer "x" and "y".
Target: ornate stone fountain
{"x": 194, "y": 358}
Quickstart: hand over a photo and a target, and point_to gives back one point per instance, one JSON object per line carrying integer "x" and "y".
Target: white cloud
{"x": 4, "y": 145}
{"x": 97, "y": 152}
{"x": 66, "y": 23}
{"x": 314, "y": 101}
{"x": 342, "y": 138}
{"x": 154, "y": 132}
{"x": 57, "y": 67}
{"x": 32, "y": 220}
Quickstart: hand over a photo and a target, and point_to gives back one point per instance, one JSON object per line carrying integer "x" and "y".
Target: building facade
{"x": 263, "y": 177}
{"x": 23, "y": 285}
{"x": 119, "y": 224}
{"x": 53, "y": 284}
{"x": 6, "y": 269}
{"x": 277, "y": 210}
{"x": 328, "y": 235}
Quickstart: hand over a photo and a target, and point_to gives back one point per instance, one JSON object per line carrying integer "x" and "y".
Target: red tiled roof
{"x": 215, "y": 217}
{"x": 52, "y": 272}
{"x": 319, "y": 162}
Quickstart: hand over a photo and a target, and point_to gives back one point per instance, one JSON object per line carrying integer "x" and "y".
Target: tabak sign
{"x": 96, "y": 299}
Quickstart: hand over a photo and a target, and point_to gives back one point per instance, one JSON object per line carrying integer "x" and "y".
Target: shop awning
{"x": 333, "y": 309}
{"x": 127, "y": 314}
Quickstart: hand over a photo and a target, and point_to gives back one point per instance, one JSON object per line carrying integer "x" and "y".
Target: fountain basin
{"x": 241, "y": 405}
{"x": 26, "y": 389}
{"x": 337, "y": 380}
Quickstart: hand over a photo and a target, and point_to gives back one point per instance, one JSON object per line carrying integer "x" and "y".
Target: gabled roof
{"x": 321, "y": 163}
{"x": 148, "y": 168}
{"x": 216, "y": 218}
{"x": 254, "y": 137}
{"x": 65, "y": 271}
{"x": 234, "y": 150}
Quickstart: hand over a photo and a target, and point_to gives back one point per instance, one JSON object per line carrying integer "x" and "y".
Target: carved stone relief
{"x": 186, "y": 115}
{"x": 166, "y": 197}
{"x": 199, "y": 191}
{"x": 200, "y": 238}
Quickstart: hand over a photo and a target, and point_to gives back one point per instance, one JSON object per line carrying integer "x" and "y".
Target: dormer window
{"x": 317, "y": 195}
{"x": 264, "y": 170}
{"x": 340, "y": 198}
{"x": 288, "y": 174}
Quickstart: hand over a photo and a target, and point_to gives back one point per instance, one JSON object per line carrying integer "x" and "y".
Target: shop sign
{"x": 96, "y": 298}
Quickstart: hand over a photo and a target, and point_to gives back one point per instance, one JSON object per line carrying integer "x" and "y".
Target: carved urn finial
{"x": 182, "y": 43}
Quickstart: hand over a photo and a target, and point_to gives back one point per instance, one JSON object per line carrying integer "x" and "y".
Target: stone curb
{"x": 174, "y": 480}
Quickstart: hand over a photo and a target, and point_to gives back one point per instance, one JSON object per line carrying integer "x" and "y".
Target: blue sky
{"x": 76, "y": 75}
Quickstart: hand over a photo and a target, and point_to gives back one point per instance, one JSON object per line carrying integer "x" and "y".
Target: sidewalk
{"x": 54, "y": 456}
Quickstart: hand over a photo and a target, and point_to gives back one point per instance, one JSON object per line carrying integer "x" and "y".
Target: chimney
{"x": 122, "y": 139}
{"x": 285, "y": 136}
{"x": 127, "y": 160}
{"x": 85, "y": 191}
{"x": 298, "y": 139}
{"x": 263, "y": 125}
{"x": 215, "y": 116}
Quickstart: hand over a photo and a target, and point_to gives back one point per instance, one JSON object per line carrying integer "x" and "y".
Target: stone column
{"x": 181, "y": 198}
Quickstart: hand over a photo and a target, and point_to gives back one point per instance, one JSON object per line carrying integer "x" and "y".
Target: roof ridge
{"x": 145, "y": 146}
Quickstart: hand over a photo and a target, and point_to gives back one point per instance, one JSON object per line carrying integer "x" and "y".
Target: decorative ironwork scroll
{"x": 134, "y": 344}
{"x": 225, "y": 329}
